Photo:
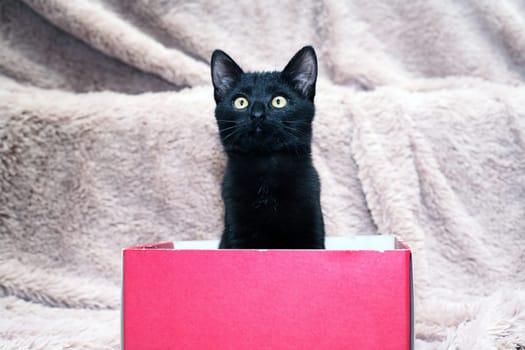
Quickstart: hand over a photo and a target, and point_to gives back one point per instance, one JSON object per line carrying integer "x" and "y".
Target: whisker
{"x": 295, "y": 122}
{"x": 291, "y": 128}
{"x": 229, "y": 128}
{"x": 231, "y": 134}
{"x": 294, "y": 131}
{"x": 291, "y": 131}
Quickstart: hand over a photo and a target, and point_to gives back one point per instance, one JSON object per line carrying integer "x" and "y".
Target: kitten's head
{"x": 268, "y": 112}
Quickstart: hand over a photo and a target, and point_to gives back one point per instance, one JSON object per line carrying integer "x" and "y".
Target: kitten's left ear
{"x": 301, "y": 71}
{"x": 224, "y": 73}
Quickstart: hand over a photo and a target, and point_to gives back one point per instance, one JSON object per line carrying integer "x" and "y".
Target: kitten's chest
{"x": 269, "y": 184}
{"x": 265, "y": 183}
{"x": 266, "y": 194}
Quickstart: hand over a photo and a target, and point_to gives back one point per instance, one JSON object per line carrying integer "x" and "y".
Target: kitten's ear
{"x": 224, "y": 73}
{"x": 301, "y": 71}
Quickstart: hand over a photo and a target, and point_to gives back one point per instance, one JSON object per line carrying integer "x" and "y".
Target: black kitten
{"x": 270, "y": 189}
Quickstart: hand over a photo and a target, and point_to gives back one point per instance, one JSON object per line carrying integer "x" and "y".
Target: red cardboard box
{"x": 356, "y": 296}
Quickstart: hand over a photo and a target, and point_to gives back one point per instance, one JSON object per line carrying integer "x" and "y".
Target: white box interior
{"x": 368, "y": 242}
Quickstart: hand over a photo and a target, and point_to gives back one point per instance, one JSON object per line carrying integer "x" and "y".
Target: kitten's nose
{"x": 257, "y": 112}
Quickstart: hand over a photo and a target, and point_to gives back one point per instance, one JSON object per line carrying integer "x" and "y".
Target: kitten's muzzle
{"x": 257, "y": 112}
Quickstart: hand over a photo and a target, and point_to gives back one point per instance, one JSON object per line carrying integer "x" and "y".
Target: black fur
{"x": 271, "y": 191}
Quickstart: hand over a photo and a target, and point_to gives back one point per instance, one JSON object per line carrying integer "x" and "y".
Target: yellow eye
{"x": 240, "y": 103}
{"x": 279, "y": 102}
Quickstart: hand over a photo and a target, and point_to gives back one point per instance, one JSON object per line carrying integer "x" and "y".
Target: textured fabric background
{"x": 107, "y": 140}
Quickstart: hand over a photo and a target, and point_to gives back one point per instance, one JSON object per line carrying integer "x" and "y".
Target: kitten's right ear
{"x": 224, "y": 73}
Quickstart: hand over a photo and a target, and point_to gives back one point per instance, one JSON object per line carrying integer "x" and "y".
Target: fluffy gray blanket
{"x": 107, "y": 140}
